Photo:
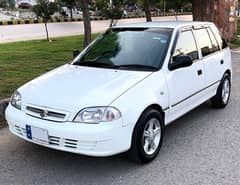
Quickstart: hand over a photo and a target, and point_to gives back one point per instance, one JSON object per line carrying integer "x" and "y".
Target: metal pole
{"x": 111, "y": 9}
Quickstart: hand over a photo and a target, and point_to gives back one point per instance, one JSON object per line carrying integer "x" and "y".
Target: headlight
{"x": 97, "y": 114}
{"x": 16, "y": 100}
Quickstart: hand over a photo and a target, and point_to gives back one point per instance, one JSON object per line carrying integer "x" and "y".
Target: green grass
{"x": 236, "y": 43}
{"x": 20, "y": 62}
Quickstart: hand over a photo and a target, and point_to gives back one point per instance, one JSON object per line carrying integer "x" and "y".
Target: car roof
{"x": 163, "y": 24}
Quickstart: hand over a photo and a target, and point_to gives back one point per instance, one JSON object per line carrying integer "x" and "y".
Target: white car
{"x": 121, "y": 91}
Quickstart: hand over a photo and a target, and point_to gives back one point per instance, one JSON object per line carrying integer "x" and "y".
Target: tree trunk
{"x": 46, "y": 28}
{"x": 71, "y": 13}
{"x": 222, "y": 13}
{"x": 111, "y": 22}
{"x": 147, "y": 10}
{"x": 86, "y": 22}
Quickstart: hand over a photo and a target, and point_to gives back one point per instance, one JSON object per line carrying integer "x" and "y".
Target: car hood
{"x": 71, "y": 88}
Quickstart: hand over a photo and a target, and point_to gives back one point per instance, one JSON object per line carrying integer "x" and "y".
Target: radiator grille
{"x": 46, "y": 113}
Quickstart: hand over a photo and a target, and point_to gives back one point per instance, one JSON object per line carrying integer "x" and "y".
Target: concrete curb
{"x": 36, "y": 21}
{"x": 3, "y": 106}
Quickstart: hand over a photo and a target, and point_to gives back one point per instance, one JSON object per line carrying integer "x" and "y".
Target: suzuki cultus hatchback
{"x": 121, "y": 91}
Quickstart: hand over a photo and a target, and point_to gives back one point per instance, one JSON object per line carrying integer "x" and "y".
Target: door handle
{"x": 222, "y": 62}
{"x": 199, "y": 72}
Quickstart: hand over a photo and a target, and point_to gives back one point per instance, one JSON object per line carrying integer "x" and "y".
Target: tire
{"x": 221, "y": 99}
{"x": 147, "y": 137}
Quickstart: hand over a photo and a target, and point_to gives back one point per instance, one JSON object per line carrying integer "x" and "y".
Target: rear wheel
{"x": 147, "y": 137}
{"x": 220, "y": 100}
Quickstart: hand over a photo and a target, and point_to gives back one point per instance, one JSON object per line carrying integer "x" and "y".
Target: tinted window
{"x": 215, "y": 46}
{"x": 204, "y": 42}
{"x": 221, "y": 41}
{"x": 186, "y": 45}
{"x": 127, "y": 48}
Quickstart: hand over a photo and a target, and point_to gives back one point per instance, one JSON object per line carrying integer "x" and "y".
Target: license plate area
{"x": 37, "y": 134}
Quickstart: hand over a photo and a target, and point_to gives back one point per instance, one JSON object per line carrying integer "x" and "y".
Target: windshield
{"x": 137, "y": 49}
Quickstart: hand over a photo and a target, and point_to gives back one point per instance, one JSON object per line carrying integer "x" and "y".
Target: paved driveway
{"x": 202, "y": 148}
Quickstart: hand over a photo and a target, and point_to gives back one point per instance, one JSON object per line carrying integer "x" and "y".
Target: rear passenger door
{"x": 212, "y": 57}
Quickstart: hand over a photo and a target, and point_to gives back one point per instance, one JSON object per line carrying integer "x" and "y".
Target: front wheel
{"x": 220, "y": 100}
{"x": 147, "y": 137}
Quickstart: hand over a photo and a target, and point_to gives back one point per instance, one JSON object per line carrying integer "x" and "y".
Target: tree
{"x": 45, "y": 9}
{"x": 7, "y": 4}
{"x": 11, "y": 4}
{"x": 222, "y": 13}
{"x": 3, "y": 4}
{"x": 112, "y": 11}
{"x": 70, "y": 4}
{"x": 146, "y": 5}
{"x": 100, "y": 4}
{"x": 86, "y": 22}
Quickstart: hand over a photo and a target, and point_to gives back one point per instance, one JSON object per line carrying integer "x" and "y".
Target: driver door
{"x": 185, "y": 83}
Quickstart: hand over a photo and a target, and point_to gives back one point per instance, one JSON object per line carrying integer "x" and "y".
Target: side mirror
{"x": 180, "y": 62}
{"x": 75, "y": 53}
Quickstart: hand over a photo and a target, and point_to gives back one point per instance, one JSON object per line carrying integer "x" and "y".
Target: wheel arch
{"x": 158, "y": 108}
{"x": 153, "y": 106}
{"x": 133, "y": 138}
{"x": 228, "y": 71}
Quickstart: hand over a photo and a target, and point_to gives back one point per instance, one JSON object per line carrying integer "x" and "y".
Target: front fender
{"x": 152, "y": 90}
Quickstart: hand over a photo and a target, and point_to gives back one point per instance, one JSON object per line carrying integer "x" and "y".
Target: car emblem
{"x": 44, "y": 114}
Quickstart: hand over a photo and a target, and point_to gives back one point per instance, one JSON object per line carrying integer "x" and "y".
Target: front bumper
{"x": 103, "y": 139}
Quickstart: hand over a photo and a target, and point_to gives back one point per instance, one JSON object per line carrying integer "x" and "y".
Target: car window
{"x": 205, "y": 42}
{"x": 128, "y": 48}
{"x": 215, "y": 46}
{"x": 186, "y": 45}
{"x": 216, "y": 33}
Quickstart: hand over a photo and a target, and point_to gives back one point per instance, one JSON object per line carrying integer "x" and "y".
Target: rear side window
{"x": 186, "y": 45}
{"x": 216, "y": 33}
{"x": 205, "y": 42}
{"x": 215, "y": 46}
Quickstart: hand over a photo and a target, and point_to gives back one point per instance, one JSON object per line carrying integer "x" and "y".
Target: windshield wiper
{"x": 138, "y": 66}
{"x": 95, "y": 64}
{"x": 112, "y": 66}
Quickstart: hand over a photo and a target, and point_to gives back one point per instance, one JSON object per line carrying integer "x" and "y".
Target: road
{"x": 202, "y": 148}
{"x": 12, "y": 33}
